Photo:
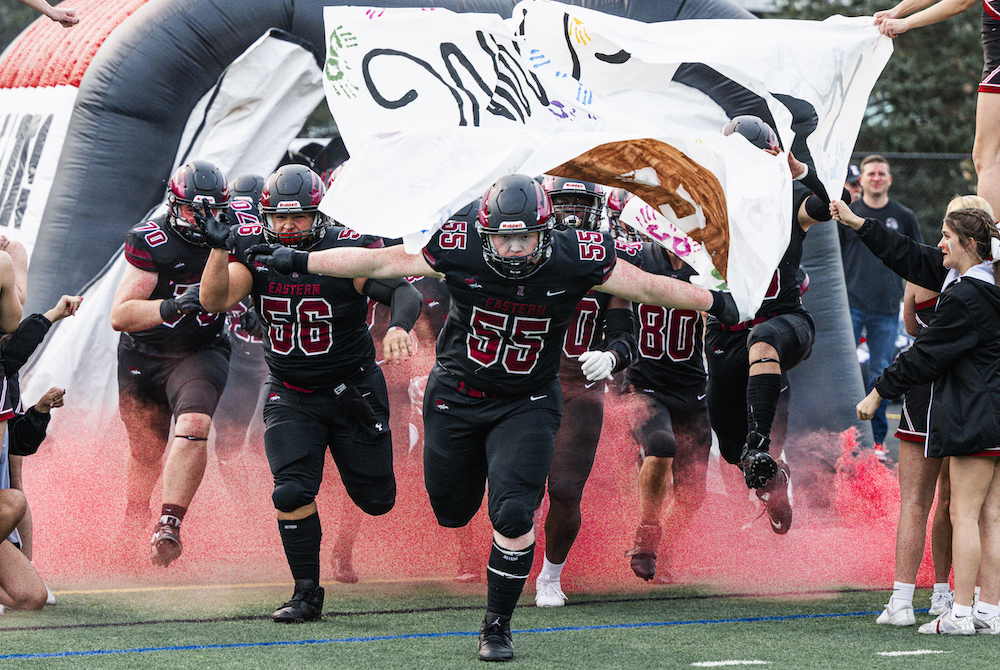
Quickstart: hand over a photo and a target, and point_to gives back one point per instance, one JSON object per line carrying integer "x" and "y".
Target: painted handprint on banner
{"x": 336, "y": 69}
{"x": 578, "y": 31}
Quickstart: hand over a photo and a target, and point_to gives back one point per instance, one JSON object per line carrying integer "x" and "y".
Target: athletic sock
{"x": 301, "y": 539}
{"x": 550, "y": 571}
{"x": 902, "y": 594}
{"x": 959, "y": 611}
{"x": 942, "y": 587}
{"x": 762, "y": 399}
{"x": 175, "y": 511}
{"x": 986, "y": 612}
{"x": 506, "y": 574}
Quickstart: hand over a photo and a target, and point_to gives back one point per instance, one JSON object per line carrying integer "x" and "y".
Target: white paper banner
{"x": 32, "y": 131}
{"x": 434, "y": 106}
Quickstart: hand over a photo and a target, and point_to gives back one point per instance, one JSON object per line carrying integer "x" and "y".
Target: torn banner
{"x": 434, "y": 106}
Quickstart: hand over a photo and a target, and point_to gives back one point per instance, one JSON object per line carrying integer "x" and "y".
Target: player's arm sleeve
{"x": 27, "y": 431}
{"x": 404, "y": 301}
{"x": 17, "y": 347}
{"x": 619, "y": 336}
{"x": 915, "y": 262}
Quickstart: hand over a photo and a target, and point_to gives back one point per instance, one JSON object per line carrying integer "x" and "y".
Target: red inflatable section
{"x": 60, "y": 55}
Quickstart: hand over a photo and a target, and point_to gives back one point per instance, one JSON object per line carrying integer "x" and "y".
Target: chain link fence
{"x": 926, "y": 182}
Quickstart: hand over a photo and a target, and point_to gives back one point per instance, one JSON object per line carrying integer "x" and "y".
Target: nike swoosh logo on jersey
{"x": 537, "y": 397}
{"x": 587, "y": 386}
{"x": 552, "y": 293}
{"x": 702, "y": 396}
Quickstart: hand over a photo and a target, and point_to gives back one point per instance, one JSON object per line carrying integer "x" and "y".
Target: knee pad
{"x": 662, "y": 443}
{"x": 513, "y": 518}
{"x": 289, "y": 496}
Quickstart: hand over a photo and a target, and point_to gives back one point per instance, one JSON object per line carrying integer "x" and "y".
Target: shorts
{"x": 681, "y": 432}
{"x": 792, "y": 336}
{"x": 991, "y": 53}
{"x": 913, "y": 421}
{"x": 6, "y": 406}
{"x": 301, "y": 426}
{"x": 507, "y": 441}
{"x": 576, "y": 441}
{"x": 189, "y": 384}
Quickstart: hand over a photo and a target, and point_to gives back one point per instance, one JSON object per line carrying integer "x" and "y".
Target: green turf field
{"x": 431, "y": 625}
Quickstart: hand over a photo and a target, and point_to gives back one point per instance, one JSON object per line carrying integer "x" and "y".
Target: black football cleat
{"x": 776, "y": 500}
{"x": 495, "y": 640}
{"x": 306, "y": 604}
{"x": 758, "y": 466}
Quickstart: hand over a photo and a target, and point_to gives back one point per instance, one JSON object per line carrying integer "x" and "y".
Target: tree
{"x": 14, "y": 17}
{"x": 924, "y": 103}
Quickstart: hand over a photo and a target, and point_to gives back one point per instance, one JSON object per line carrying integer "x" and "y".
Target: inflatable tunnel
{"x": 97, "y": 117}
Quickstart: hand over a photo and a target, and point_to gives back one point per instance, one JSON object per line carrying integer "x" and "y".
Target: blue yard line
{"x": 419, "y": 636}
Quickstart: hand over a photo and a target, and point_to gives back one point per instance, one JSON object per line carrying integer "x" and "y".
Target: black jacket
{"x": 958, "y": 352}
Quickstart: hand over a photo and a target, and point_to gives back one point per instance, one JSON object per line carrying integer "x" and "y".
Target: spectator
{"x": 853, "y": 182}
{"x": 874, "y": 292}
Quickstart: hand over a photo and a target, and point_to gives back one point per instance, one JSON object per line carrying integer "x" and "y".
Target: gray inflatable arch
{"x": 138, "y": 92}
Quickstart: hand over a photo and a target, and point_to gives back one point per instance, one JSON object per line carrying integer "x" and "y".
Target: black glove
{"x": 281, "y": 258}
{"x": 218, "y": 233}
{"x": 251, "y": 323}
{"x": 186, "y": 303}
{"x": 724, "y": 308}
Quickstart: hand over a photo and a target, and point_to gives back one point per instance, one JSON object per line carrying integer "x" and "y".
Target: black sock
{"x": 505, "y": 577}
{"x": 301, "y": 539}
{"x": 762, "y": 398}
{"x": 175, "y": 511}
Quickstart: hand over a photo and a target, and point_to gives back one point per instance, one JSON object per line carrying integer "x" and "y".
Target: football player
{"x": 493, "y": 402}
{"x": 325, "y": 390}
{"x": 599, "y": 341}
{"x": 173, "y": 356}
{"x": 233, "y": 417}
{"x": 748, "y": 362}
{"x": 673, "y": 432}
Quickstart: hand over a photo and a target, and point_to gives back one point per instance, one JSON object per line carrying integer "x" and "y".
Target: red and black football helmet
{"x": 575, "y": 203}
{"x": 756, "y": 130}
{"x": 192, "y": 184}
{"x": 292, "y": 189}
{"x": 513, "y": 205}
{"x": 247, "y": 187}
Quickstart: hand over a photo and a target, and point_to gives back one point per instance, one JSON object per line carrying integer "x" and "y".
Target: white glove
{"x": 597, "y": 364}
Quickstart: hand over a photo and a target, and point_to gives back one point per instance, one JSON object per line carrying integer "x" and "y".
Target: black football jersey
{"x": 502, "y": 335}
{"x": 584, "y": 331}
{"x": 153, "y": 246}
{"x": 315, "y": 332}
{"x": 784, "y": 292}
{"x": 671, "y": 347}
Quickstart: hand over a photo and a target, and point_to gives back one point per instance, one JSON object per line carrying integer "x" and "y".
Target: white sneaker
{"x": 50, "y": 598}
{"x": 548, "y": 593}
{"x": 902, "y": 616}
{"x": 941, "y": 602}
{"x": 946, "y": 624}
{"x": 1, "y": 610}
{"x": 989, "y": 627}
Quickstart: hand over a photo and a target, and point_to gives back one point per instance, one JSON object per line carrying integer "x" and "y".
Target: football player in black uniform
{"x": 493, "y": 403}
{"x": 600, "y": 340}
{"x": 325, "y": 390}
{"x": 173, "y": 356}
{"x": 673, "y": 432}
{"x": 748, "y": 362}
{"x": 233, "y": 418}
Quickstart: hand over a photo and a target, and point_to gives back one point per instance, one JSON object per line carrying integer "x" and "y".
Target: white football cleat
{"x": 548, "y": 593}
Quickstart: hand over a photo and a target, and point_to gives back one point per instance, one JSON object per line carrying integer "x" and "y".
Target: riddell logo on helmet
{"x": 288, "y": 203}
{"x": 574, "y": 185}
{"x": 512, "y": 225}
